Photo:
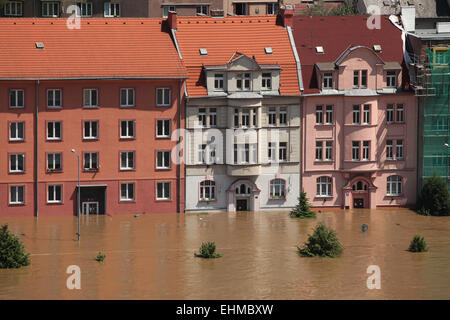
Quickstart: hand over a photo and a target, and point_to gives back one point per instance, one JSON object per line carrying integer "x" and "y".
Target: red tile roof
{"x": 222, "y": 37}
{"x": 101, "y": 48}
{"x": 336, "y": 34}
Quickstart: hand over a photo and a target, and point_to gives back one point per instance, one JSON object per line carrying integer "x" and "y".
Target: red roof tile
{"x": 336, "y": 34}
{"x": 222, "y": 37}
{"x": 101, "y": 48}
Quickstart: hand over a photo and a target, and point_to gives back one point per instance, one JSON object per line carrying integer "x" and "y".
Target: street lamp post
{"x": 78, "y": 193}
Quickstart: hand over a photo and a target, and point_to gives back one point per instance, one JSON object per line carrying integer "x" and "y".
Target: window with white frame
{"x": 167, "y": 9}
{"x": 240, "y": 9}
{"x": 277, "y": 189}
{"x": 283, "y": 116}
{"x": 90, "y": 98}
{"x": 163, "y": 191}
{"x": 319, "y": 146}
{"x": 54, "y": 130}
{"x": 272, "y": 116}
{"x": 356, "y": 145}
{"x": 394, "y": 186}
{"x": 212, "y": 153}
{"x": 127, "y": 97}
{"x": 163, "y": 96}
{"x": 366, "y": 151}
{"x": 329, "y": 115}
{"x": 400, "y": 113}
{"x": 85, "y": 9}
{"x": 363, "y": 78}
{"x": 390, "y": 113}
{"x": 111, "y": 10}
{"x": 127, "y": 191}
{"x": 399, "y": 150}
{"x": 272, "y": 8}
{"x": 163, "y": 160}
{"x": 16, "y": 194}
{"x": 54, "y": 193}
{"x": 50, "y": 9}
{"x": 366, "y": 114}
{"x": 236, "y": 118}
{"x": 255, "y": 117}
{"x": 90, "y": 131}
{"x": 212, "y": 117}
{"x": 202, "y": 117}
{"x": 266, "y": 81}
{"x": 319, "y": 115}
{"x": 324, "y": 187}
{"x": 245, "y": 118}
{"x": 17, "y": 162}
{"x": 127, "y": 129}
{"x": 17, "y": 131}
{"x": 13, "y": 9}
{"x": 201, "y": 153}
{"x": 54, "y": 98}
{"x": 272, "y": 152}
{"x": 389, "y": 150}
{"x": 329, "y": 150}
{"x": 282, "y": 151}
{"x": 163, "y": 128}
{"x": 90, "y": 161}
{"x": 202, "y": 10}
{"x": 356, "y": 79}
{"x": 127, "y": 160}
{"x": 391, "y": 79}
{"x": 356, "y": 114}
{"x": 218, "y": 81}
{"x": 54, "y": 161}
{"x": 328, "y": 80}
{"x": 207, "y": 190}
{"x": 16, "y": 98}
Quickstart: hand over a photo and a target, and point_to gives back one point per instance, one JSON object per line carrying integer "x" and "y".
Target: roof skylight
{"x": 319, "y": 49}
{"x": 203, "y": 52}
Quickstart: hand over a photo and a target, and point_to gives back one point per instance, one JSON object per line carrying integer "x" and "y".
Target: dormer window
{"x": 363, "y": 78}
{"x": 218, "y": 81}
{"x": 266, "y": 81}
{"x": 328, "y": 80}
{"x": 391, "y": 79}
{"x": 356, "y": 79}
{"x": 243, "y": 81}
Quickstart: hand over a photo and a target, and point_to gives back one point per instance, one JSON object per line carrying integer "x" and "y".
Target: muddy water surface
{"x": 151, "y": 257}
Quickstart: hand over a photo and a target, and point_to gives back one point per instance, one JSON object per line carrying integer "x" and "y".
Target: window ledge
{"x": 323, "y": 197}
{"x": 275, "y": 199}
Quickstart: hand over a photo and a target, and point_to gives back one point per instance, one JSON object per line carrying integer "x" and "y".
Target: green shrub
{"x": 322, "y": 243}
{"x": 207, "y": 250}
{"x": 100, "y": 257}
{"x": 303, "y": 208}
{"x": 435, "y": 198}
{"x": 424, "y": 212}
{"x": 418, "y": 244}
{"x": 12, "y": 251}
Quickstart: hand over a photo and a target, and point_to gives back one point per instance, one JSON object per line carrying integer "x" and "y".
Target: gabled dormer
{"x": 242, "y": 74}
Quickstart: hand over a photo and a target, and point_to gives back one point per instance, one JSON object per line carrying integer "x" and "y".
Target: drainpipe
{"x": 178, "y": 151}
{"x": 36, "y": 151}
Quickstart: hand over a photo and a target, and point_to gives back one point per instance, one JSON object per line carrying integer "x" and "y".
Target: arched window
{"x": 277, "y": 188}
{"x": 394, "y": 185}
{"x": 324, "y": 187}
{"x": 243, "y": 189}
{"x": 207, "y": 190}
{"x": 360, "y": 185}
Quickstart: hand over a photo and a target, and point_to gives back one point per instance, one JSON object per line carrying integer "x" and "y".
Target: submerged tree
{"x": 12, "y": 251}
{"x": 322, "y": 243}
{"x": 303, "y": 208}
{"x": 208, "y": 250}
{"x": 418, "y": 244}
{"x": 435, "y": 198}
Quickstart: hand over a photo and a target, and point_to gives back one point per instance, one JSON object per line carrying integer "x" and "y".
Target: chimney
{"x": 408, "y": 15}
{"x": 287, "y": 15}
{"x": 172, "y": 20}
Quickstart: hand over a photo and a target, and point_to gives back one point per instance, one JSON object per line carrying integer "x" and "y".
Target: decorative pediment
{"x": 241, "y": 62}
{"x": 350, "y": 50}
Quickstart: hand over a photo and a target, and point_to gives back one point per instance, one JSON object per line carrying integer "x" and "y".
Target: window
{"x": 243, "y": 189}
{"x": 16, "y": 98}
{"x": 389, "y": 150}
{"x": 399, "y": 150}
{"x": 54, "y": 161}
{"x": 366, "y": 151}
{"x": 266, "y": 81}
{"x": 245, "y": 153}
{"x": 13, "y": 8}
{"x": 355, "y": 150}
{"x": 111, "y": 10}
{"x": 212, "y": 153}
{"x": 17, "y": 162}
{"x": 243, "y": 81}
{"x": 329, "y": 150}
{"x": 127, "y": 97}
{"x": 282, "y": 155}
{"x": 277, "y": 189}
{"x": 167, "y": 9}
{"x": 202, "y": 10}
{"x": 366, "y": 114}
{"x": 163, "y": 96}
{"x": 328, "y": 80}
{"x": 356, "y": 115}
{"x": 213, "y": 117}
{"x": 241, "y": 9}
{"x": 236, "y": 117}
{"x": 163, "y": 191}
{"x": 400, "y": 113}
{"x": 202, "y": 153}
{"x": 271, "y": 154}
{"x": 127, "y": 160}
{"x": 90, "y": 130}
{"x": 255, "y": 117}
{"x": 90, "y": 161}
{"x": 247, "y": 81}
{"x": 16, "y": 194}
{"x": 329, "y": 115}
{"x": 163, "y": 159}
{"x": 218, "y": 81}
{"x": 50, "y": 9}
{"x": 391, "y": 79}
{"x": 272, "y": 116}
{"x": 363, "y": 78}
{"x": 390, "y": 113}
{"x": 202, "y": 117}
{"x": 319, "y": 146}
{"x": 54, "y": 193}
{"x": 85, "y": 9}
{"x": 207, "y": 190}
{"x": 272, "y": 8}
{"x": 163, "y": 129}
{"x": 283, "y": 116}
{"x": 17, "y": 131}
{"x": 90, "y": 98}
{"x": 54, "y": 130}
{"x": 359, "y": 186}
{"x": 127, "y": 129}
{"x": 127, "y": 192}
{"x": 54, "y": 98}
{"x": 394, "y": 186}
{"x": 245, "y": 118}
{"x": 319, "y": 115}
{"x": 356, "y": 79}
{"x": 324, "y": 188}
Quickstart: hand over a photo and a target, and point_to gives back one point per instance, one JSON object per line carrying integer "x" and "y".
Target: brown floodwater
{"x": 151, "y": 257}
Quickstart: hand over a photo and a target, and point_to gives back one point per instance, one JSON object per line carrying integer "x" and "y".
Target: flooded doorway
{"x": 93, "y": 199}
{"x": 242, "y": 205}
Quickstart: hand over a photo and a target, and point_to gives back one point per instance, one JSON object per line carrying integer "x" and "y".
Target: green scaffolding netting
{"x": 436, "y": 117}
